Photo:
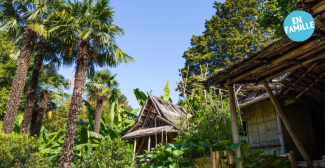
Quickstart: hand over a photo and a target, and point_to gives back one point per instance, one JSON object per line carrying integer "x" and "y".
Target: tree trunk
{"x": 33, "y": 121}
{"x": 80, "y": 79}
{"x": 40, "y": 114}
{"x": 98, "y": 113}
{"x": 18, "y": 83}
{"x": 31, "y": 95}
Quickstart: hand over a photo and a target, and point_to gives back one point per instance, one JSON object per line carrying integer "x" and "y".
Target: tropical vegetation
{"x": 43, "y": 125}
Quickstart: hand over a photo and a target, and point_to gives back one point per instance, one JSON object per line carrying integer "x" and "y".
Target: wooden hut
{"x": 290, "y": 117}
{"x": 157, "y": 123}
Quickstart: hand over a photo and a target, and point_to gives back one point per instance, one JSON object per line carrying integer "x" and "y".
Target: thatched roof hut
{"x": 157, "y": 123}
{"x": 292, "y": 115}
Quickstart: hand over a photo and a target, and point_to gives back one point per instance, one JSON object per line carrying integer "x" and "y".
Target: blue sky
{"x": 157, "y": 33}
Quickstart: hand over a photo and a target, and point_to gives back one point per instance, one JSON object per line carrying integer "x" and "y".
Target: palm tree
{"x": 18, "y": 18}
{"x": 51, "y": 94}
{"x": 50, "y": 51}
{"x": 88, "y": 26}
{"x": 98, "y": 88}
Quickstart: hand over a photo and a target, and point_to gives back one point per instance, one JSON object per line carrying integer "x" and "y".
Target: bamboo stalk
{"x": 166, "y": 137}
{"x": 162, "y": 137}
{"x": 302, "y": 76}
{"x": 310, "y": 86}
{"x": 234, "y": 124}
{"x": 287, "y": 124}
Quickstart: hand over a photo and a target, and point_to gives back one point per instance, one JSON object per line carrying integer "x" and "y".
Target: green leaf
{"x": 141, "y": 97}
{"x": 166, "y": 91}
{"x": 178, "y": 152}
{"x": 83, "y": 135}
{"x": 174, "y": 165}
{"x": 239, "y": 159}
{"x": 112, "y": 113}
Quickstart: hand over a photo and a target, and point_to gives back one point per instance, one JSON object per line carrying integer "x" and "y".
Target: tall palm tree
{"x": 18, "y": 17}
{"x": 51, "y": 92}
{"x": 86, "y": 25}
{"x": 99, "y": 86}
{"x": 48, "y": 50}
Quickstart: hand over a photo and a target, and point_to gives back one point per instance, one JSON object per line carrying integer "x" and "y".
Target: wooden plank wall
{"x": 261, "y": 124}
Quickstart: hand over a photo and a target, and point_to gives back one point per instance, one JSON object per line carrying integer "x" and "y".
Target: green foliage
{"x": 212, "y": 119}
{"x": 274, "y": 13}
{"x": 183, "y": 154}
{"x": 166, "y": 91}
{"x": 141, "y": 97}
{"x": 230, "y": 35}
{"x": 109, "y": 153}
{"x": 16, "y": 150}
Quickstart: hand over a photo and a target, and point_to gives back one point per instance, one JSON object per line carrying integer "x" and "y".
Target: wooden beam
{"x": 287, "y": 124}
{"x": 234, "y": 123}
{"x": 310, "y": 86}
{"x": 302, "y": 76}
{"x": 141, "y": 145}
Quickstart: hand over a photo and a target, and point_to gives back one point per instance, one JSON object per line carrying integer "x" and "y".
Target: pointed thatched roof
{"x": 156, "y": 116}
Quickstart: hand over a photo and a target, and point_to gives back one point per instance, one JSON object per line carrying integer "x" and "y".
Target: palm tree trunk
{"x": 80, "y": 79}
{"x": 31, "y": 95}
{"x": 40, "y": 114}
{"x": 33, "y": 121}
{"x": 18, "y": 83}
{"x": 98, "y": 113}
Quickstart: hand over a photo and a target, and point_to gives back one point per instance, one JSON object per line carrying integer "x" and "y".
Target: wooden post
{"x": 155, "y": 132}
{"x": 141, "y": 145}
{"x": 217, "y": 158}
{"x": 234, "y": 123}
{"x": 281, "y": 137}
{"x": 149, "y": 141}
{"x": 213, "y": 157}
{"x": 287, "y": 125}
{"x": 134, "y": 148}
{"x": 231, "y": 159}
{"x": 162, "y": 137}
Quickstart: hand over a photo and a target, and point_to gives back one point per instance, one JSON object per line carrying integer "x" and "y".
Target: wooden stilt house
{"x": 157, "y": 123}
{"x": 289, "y": 115}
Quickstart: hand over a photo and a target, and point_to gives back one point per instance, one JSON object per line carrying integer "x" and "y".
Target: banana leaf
{"x": 141, "y": 97}
{"x": 84, "y": 135}
{"x": 166, "y": 91}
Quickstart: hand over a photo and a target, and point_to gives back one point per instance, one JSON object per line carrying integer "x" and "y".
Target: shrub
{"x": 109, "y": 153}
{"x": 16, "y": 150}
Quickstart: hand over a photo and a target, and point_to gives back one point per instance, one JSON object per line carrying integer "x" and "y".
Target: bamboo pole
{"x": 234, "y": 123}
{"x": 287, "y": 124}
{"x": 141, "y": 145}
{"x": 295, "y": 67}
{"x": 162, "y": 137}
{"x": 134, "y": 148}
{"x": 310, "y": 86}
{"x": 302, "y": 76}
{"x": 213, "y": 156}
{"x": 231, "y": 159}
{"x": 149, "y": 143}
{"x": 302, "y": 49}
{"x": 166, "y": 136}
{"x": 155, "y": 132}
{"x": 281, "y": 137}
